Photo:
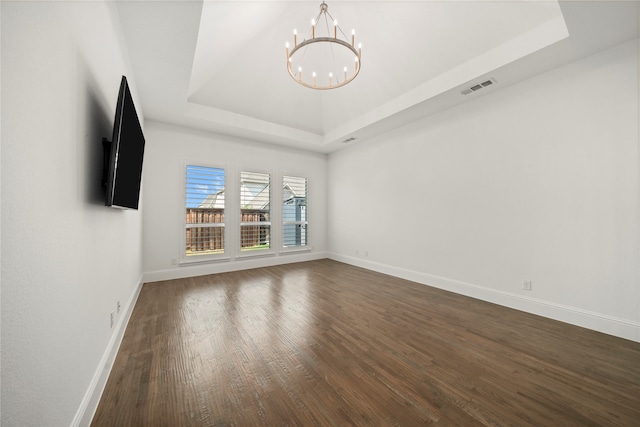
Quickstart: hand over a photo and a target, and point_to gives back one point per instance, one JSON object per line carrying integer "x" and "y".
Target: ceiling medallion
{"x": 328, "y": 58}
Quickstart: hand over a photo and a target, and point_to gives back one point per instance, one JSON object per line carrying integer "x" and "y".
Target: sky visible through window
{"x": 201, "y": 183}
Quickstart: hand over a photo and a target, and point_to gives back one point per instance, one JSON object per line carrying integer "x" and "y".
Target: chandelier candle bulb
{"x": 313, "y": 28}
{"x": 295, "y": 37}
{"x": 335, "y": 28}
{"x": 353, "y": 38}
{"x": 345, "y": 74}
{"x": 300, "y": 73}
{"x": 314, "y": 79}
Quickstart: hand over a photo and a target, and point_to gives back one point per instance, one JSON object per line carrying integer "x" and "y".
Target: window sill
{"x": 296, "y": 250}
{"x": 246, "y": 255}
{"x": 256, "y": 254}
{"x": 184, "y": 263}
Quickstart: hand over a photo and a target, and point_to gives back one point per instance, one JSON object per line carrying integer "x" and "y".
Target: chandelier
{"x": 328, "y": 58}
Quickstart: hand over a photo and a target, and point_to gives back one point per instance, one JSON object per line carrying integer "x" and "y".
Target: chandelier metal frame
{"x": 297, "y": 75}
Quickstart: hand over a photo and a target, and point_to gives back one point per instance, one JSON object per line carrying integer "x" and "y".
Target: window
{"x": 255, "y": 206}
{"x": 204, "y": 200}
{"x": 294, "y": 211}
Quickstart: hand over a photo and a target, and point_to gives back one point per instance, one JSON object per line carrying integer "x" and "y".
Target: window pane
{"x": 294, "y": 211}
{"x": 255, "y": 205}
{"x": 205, "y": 210}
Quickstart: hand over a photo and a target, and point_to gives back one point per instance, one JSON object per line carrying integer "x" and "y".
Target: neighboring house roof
{"x": 253, "y": 195}
{"x": 213, "y": 201}
{"x": 288, "y": 193}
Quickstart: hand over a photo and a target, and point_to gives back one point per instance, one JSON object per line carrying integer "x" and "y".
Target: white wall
{"x": 535, "y": 181}
{"x": 167, "y": 149}
{"x": 66, "y": 258}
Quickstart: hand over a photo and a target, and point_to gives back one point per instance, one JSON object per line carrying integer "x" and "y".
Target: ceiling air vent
{"x": 348, "y": 140}
{"x": 478, "y": 86}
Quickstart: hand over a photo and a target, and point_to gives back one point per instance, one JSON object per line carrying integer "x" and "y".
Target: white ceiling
{"x": 220, "y": 66}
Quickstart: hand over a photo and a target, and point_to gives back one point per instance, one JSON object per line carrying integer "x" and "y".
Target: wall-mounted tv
{"x": 124, "y": 154}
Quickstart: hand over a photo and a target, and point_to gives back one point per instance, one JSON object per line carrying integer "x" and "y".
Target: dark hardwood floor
{"x": 326, "y": 344}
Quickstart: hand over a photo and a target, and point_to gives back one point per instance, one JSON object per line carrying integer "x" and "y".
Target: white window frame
{"x": 305, "y": 223}
{"x": 199, "y": 258}
{"x": 249, "y": 253}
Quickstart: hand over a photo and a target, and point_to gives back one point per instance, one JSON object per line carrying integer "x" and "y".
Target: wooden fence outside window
{"x": 205, "y": 230}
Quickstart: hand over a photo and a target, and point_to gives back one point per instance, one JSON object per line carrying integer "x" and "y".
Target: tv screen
{"x": 126, "y": 154}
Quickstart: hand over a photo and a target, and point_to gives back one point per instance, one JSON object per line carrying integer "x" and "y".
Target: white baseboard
{"x": 202, "y": 269}
{"x": 587, "y": 319}
{"x": 89, "y": 404}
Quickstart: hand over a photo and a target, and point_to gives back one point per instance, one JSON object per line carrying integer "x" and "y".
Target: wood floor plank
{"x": 327, "y": 344}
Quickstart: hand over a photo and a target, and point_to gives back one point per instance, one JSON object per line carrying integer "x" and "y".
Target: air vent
{"x": 348, "y": 140}
{"x": 478, "y": 86}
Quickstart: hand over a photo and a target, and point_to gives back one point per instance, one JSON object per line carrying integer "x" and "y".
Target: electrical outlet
{"x": 112, "y": 314}
{"x": 118, "y": 309}
{"x": 526, "y": 285}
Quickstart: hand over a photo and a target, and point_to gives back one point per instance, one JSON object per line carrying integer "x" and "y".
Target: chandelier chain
{"x": 333, "y": 56}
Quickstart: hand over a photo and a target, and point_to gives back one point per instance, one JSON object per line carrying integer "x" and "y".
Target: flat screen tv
{"x": 124, "y": 154}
